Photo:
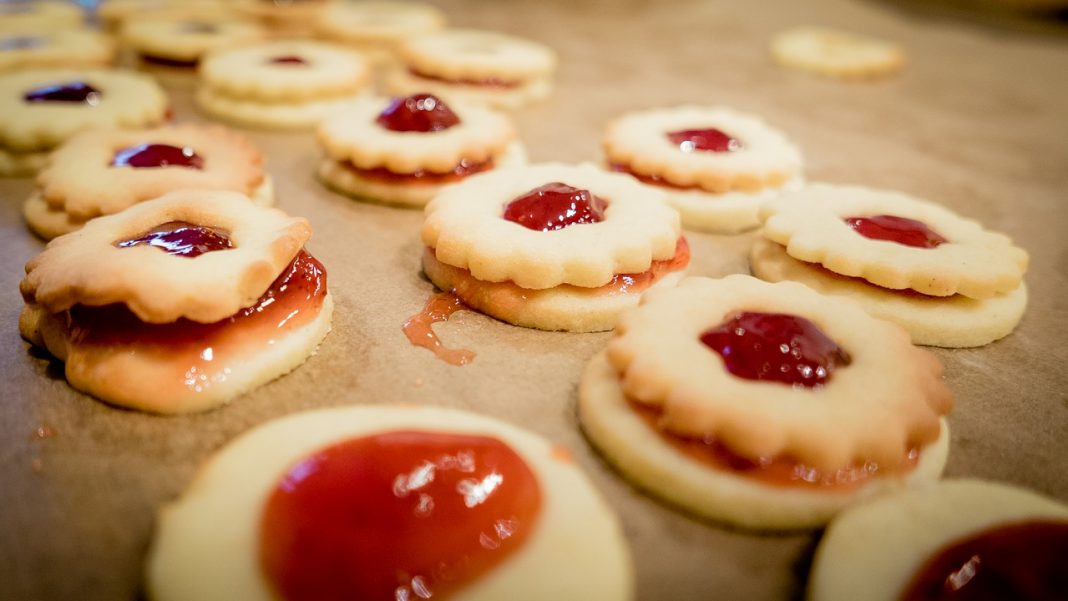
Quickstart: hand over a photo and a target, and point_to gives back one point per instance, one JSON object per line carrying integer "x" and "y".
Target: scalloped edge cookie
{"x": 194, "y": 555}
{"x": 973, "y": 262}
{"x": 641, "y": 454}
{"x": 376, "y": 28}
{"x": 835, "y": 53}
{"x": 300, "y": 115}
{"x": 178, "y": 40}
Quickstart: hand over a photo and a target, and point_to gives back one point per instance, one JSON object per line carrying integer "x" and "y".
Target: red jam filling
{"x": 289, "y": 60}
{"x": 397, "y": 515}
{"x": 704, "y": 140}
{"x": 418, "y": 112}
{"x": 182, "y": 239}
{"x": 76, "y": 91}
{"x": 462, "y": 169}
{"x": 488, "y": 82}
{"x": 20, "y": 42}
{"x": 776, "y": 347}
{"x": 439, "y": 307}
{"x": 1019, "y": 561}
{"x": 780, "y": 471}
{"x": 896, "y": 229}
{"x": 555, "y": 206}
{"x": 157, "y": 155}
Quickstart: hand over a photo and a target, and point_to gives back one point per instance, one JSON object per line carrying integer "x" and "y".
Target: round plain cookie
{"x": 645, "y": 458}
{"x": 853, "y": 562}
{"x": 206, "y": 542}
{"x": 55, "y": 48}
{"x": 838, "y": 54}
{"x": 947, "y": 321}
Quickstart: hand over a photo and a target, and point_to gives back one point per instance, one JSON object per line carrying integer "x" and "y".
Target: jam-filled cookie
{"x": 103, "y": 171}
{"x": 56, "y": 48}
{"x": 280, "y": 85}
{"x": 552, "y": 246}
{"x": 376, "y": 28}
{"x": 115, "y": 13}
{"x": 184, "y": 41}
{"x": 25, "y": 16}
{"x": 716, "y": 165}
{"x": 764, "y": 405}
{"x": 41, "y": 108}
{"x": 945, "y": 279}
{"x": 178, "y": 304}
{"x": 482, "y": 66}
{"x": 959, "y": 539}
{"x": 402, "y": 151}
{"x": 837, "y": 53}
{"x": 317, "y": 505}
{"x": 286, "y": 18}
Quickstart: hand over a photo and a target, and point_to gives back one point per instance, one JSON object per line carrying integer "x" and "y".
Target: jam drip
{"x": 704, "y": 140}
{"x": 896, "y": 229}
{"x": 462, "y": 169}
{"x": 418, "y": 112}
{"x": 289, "y": 60}
{"x": 77, "y": 91}
{"x": 182, "y": 239}
{"x": 1019, "y": 561}
{"x": 439, "y": 307}
{"x": 157, "y": 155}
{"x": 776, "y": 347}
{"x": 397, "y": 515}
{"x": 555, "y": 206}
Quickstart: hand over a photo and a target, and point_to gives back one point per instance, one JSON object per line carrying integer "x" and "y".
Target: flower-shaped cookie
{"x": 285, "y": 84}
{"x": 376, "y": 28}
{"x": 482, "y": 66}
{"x": 56, "y": 48}
{"x": 185, "y": 41}
{"x": 551, "y": 246}
{"x": 404, "y": 150}
{"x": 179, "y": 303}
{"x": 716, "y": 165}
{"x": 766, "y": 405}
{"x": 493, "y": 507}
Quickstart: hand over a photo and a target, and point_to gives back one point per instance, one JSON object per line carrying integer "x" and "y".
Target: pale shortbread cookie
{"x": 186, "y": 40}
{"x": 125, "y": 99}
{"x": 206, "y": 544}
{"x": 87, "y": 268}
{"x": 465, "y": 227}
{"x": 888, "y": 399}
{"x": 340, "y": 176}
{"x": 295, "y": 115}
{"x": 852, "y": 561}
{"x": 50, "y": 223}
{"x": 113, "y": 13}
{"x": 642, "y": 454}
{"x": 836, "y": 53}
{"x": 377, "y": 27}
{"x": 973, "y": 262}
{"x": 949, "y": 321}
{"x": 725, "y": 213}
{"x": 82, "y": 179}
{"x": 490, "y": 67}
{"x": 39, "y": 16}
{"x": 763, "y": 157}
{"x": 286, "y": 18}
{"x": 21, "y": 164}
{"x": 56, "y": 48}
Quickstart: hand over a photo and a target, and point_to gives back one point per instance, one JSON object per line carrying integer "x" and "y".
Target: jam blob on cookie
{"x": 182, "y": 239}
{"x": 704, "y": 140}
{"x": 902, "y": 230}
{"x": 555, "y": 206}
{"x": 157, "y": 155}
{"x": 380, "y": 502}
{"x": 75, "y": 91}
{"x": 418, "y": 112}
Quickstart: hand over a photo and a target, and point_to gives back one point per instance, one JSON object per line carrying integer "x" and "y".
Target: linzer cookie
{"x": 185, "y": 41}
{"x": 482, "y": 66}
{"x": 26, "y": 16}
{"x": 402, "y": 151}
{"x": 280, "y": 85}
{"x": 482, "y": 510}
{"x": 41, "y": 108}
{"x": 287, "y": 18}
{"x": 56, "y": 48}
{"x": 552, "y": 246}
{"x": 103, "y": 171}
{"x": 960, "y": 539}
{"x": 945, "y": 279}
{"x": 114, "y": 13}
{"x": 376, "y": 28}
{"x": 716, "y": 165}
{"x": 178, "y": 304}
{"x": 764, "y": 405}
{"x": 837, "y": 53}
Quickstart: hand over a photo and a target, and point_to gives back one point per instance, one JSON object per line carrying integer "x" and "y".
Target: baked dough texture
{"x": 186, "y": 40}
{"x": 853, "y": 562}
{"x": 57, "y": 48}
{"x": 39, "y": 16}
{"x": 206, "y": 542}
{"x": 838, "y": 54}
{"x": 376, "y": 28}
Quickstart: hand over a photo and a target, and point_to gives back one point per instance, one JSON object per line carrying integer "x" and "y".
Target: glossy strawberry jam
{"x": 776, "y": 347}
{"x": 704, "y": 140}
{"x": 293, "y": 60}
{"x": 397, "y": 515}
{"x": 76, "y": 91}
{"x": 555, "y": 206}
{"x": 418, "y": 113}
{"x": 902, "y": 230}
{"x": 182, "y": 239}
{"x": 421, "y": 176}
{"x": 157, "y": 155}
{"x": 1027, "y": 560}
